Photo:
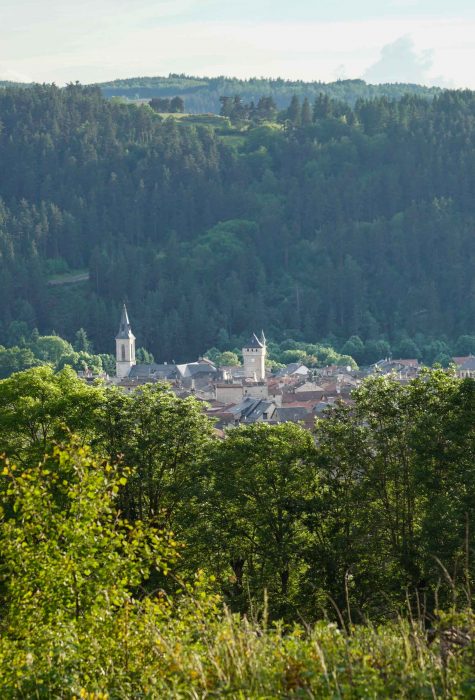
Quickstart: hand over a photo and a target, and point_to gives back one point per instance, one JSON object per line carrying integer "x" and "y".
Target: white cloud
{"x": 399, "y": 62}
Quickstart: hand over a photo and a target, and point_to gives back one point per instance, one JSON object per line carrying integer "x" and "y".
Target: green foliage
{"x": 17, "y": 333}
{"x": 261, "y": 480}
{"x": 227, "y": 358}
{"x": 169, "y": 105}
{"x": 51, "y": 348}
{"x": 346, "y": 361}
{"x": 163, "y": 438}
{"x": 54, "y": 351}
{"x": 407, "y": 349}
{"x": 144, "y": 356}
{"x": 70, "y": 569}
{"x": 81, "y": 361}
{"x": 310, "y": 354}
{"x": 280, "y": 354}
{"x": 404, "y": 450}
{"x": 15, "y": 360}
{"x": 273, "y": 365}
{"x": 205, "y": 94}
{"x": 294, "y": 111}
{"x": 39, "y": 407}
{"x": 73, "y": 624}
{"x": 370, "y": 518}
{"x": 375, "y": 350}
{"x": 82, "y": 343}
{"x": 64, "y": 553}
{"x": 465, "y": 345}
{"x": 108, "y": 363}
{"x": 354, "y": 346}
{"x": 334, "y": 226}
{"x": 288, "y": 356}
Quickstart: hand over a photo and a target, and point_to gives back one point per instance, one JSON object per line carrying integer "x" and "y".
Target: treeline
{"x": 281, "y": 354}
{"x": 25, "y": 350}
{"x": 298, "y": 113}
{"x": 203, "y": 94}
{"x": 354, "y": 352}
{"x": 237, "y": 110}
{"x": 338, "y": 222}
{"x": 174, "y": 105}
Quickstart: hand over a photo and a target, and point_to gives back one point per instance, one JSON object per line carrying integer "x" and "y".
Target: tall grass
{"x": 198, "y": 655}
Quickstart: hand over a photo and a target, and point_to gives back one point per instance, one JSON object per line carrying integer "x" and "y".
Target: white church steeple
{"x": 124, "y": 347}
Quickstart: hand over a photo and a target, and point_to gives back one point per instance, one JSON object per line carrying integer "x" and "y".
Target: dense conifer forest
{"x": 320, "y": 222}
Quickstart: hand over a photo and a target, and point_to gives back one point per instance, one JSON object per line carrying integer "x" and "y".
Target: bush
{"x": 79, "y": 620}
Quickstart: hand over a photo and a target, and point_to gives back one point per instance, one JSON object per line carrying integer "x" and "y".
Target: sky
{"x": 431, "y": 42}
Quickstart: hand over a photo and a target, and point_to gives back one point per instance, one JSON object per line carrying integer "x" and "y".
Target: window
{"x": 123, "y": 352}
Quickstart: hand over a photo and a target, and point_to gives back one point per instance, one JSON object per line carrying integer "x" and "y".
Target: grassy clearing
{"x": 175, "y": 115}
{"x": 197, "y": 119}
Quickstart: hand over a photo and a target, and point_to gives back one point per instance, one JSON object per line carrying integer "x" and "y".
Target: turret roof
{"x": 254, "y": 342}
{"x": 125, "y": 331}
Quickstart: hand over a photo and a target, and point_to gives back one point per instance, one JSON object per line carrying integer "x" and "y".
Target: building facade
{"x": 254, "y": 357}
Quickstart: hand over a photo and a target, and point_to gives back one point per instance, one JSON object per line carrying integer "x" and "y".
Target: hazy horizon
{"x": 413, "y": 41}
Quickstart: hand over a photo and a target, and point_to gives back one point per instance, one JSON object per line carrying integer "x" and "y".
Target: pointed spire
{"x": 125, "y": 316}
{"x": 254, "y": 342}
{"x": 263, "y": 339}
{"x": 125, "y": 330}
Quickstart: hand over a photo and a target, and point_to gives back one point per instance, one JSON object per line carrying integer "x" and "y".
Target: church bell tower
{"x": 124, "y": 347}
{"x": 254, "y": 356}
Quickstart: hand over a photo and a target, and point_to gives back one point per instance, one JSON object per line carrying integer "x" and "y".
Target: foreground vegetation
{"x": 77, "y": 621}
{"x": 148, "y": 558}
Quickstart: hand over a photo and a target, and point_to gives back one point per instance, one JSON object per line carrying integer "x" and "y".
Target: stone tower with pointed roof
{"x": 254, "y": 356}
{"x": 124, "y": 347}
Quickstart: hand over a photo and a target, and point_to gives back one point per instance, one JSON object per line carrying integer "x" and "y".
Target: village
{"x": 251, "y": 393}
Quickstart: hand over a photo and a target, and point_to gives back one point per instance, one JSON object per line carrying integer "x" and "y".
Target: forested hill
{"x": 202, "y": 94}
{"x": 13, "y": 84}
{"x": 334, "y": 222}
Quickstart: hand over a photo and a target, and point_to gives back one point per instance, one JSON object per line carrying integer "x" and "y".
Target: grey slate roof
{"x": 294, "y": 415}
{"x": 254, "y": 342}
{"x": 292, "y": 369}
{"x": 153, "y": 371}
{"x": 192, "y": 369}
{"x": 258, "y": 411}
{"x": 244, "y": 407}
{"x": 468, "y": 365}
{"x": 250, "y": 410}
{"x": 125, "y": 331}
